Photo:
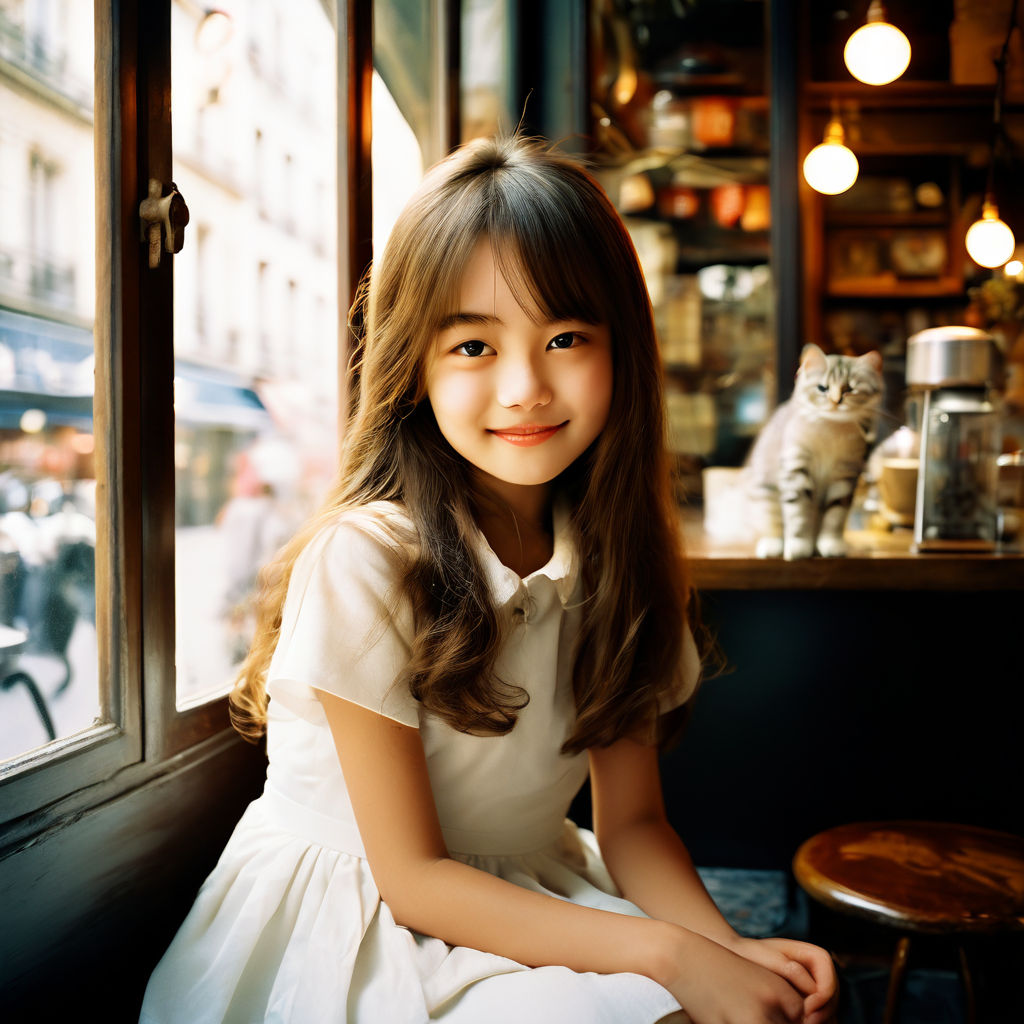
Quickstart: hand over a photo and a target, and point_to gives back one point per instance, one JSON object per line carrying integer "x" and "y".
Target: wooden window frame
{"x": 48, "y": 784}
{"x": 142, "y": 731}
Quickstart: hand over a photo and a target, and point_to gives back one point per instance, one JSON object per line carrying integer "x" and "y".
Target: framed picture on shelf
{"x": 859, "y": 255}
{"x": 887, "y": 260}
{"x": 918, "y": 253}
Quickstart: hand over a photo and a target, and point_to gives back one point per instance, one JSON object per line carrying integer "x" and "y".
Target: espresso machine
{"x": 954, "y": 373}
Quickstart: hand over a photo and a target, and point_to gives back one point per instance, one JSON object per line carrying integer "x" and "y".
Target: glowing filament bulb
{"x": 831, "y": 168}
{"x": 877, "y": 53}
{"x": 990, "y": 241}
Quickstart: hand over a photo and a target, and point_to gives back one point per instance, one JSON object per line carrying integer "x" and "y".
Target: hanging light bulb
{"x": 877, "y": 53}
{"x": 990, "y": 241}
{"x": 831, "y": 168}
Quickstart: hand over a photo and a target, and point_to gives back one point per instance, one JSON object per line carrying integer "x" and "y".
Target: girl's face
{"x": 520, "y": 400}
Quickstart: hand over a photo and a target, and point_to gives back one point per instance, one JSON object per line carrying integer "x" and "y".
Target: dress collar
{"x": 504, "y": 583}
{"x": 562, "y": 568}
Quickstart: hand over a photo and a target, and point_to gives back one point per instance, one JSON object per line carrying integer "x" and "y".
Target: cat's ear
{"x": 873, "y": 359}
{"x": 812, "y": 359}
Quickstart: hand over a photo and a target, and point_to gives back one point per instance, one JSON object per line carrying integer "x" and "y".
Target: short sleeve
{"x": 344, "y": 628}
{"x": 687, "y": 676}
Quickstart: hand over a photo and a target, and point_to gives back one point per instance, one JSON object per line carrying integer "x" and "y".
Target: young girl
{"x": 491, "y": 607}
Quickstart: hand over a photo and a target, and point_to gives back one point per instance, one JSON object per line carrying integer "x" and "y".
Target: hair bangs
{"x": 417, "y": 283}
{"x": 537, "y": 236}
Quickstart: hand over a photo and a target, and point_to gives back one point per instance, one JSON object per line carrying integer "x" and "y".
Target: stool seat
{"x": 917, "y": 875}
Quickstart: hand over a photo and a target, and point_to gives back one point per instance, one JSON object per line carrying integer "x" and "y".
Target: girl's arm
{"x": 386, "y": 775}
{"x": 653, "y": 869}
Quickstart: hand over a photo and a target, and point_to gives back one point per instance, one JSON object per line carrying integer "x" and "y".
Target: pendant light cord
{"x": 998, "y": 135}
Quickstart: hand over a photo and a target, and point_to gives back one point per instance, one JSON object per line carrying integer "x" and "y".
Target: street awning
{"x": 49, "y": 366}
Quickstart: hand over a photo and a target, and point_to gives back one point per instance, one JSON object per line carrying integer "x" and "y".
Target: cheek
{"x": 453, "y": 396}
{"x": 594, "y": 389}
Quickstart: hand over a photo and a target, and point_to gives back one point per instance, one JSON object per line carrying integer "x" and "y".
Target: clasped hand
{"x": 757, "y": 981}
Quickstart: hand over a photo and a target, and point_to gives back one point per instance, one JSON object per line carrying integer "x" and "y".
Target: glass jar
{"x": 957, "y": 503}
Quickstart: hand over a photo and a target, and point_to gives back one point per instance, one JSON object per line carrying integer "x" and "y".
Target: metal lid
{"x": 942, "y": 357}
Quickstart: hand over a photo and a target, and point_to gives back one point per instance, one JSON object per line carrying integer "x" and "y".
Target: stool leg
{"x": 896, "y": 973}
{"x": 965, "y": 973}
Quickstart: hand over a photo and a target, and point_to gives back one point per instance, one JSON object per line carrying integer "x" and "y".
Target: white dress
{"x": 289, "y": 926}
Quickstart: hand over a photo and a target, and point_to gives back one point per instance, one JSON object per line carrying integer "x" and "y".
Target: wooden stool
{"x": 918, "y": 876}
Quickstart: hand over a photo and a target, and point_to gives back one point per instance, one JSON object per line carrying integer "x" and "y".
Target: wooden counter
{"x": 877, "y": 561}
{"x": 882, "y": 685}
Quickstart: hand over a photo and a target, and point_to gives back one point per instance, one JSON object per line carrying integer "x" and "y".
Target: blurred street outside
{"x": 203, "y": 653}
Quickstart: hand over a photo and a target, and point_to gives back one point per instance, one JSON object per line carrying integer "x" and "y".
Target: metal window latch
{"x": 164, "y": 215}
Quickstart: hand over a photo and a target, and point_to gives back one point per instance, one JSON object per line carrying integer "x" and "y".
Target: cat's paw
{"x": 831, "y": 547}
{"x": 797, "y": 548}
{"x": 769, "y": 547}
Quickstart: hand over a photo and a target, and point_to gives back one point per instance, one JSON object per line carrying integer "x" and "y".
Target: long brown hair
{"x": 561, "y": 245}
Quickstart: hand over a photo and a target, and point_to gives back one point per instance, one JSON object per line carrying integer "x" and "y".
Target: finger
{"x": 798, "y": 976}
{"x": 818, "y": 1018}
{"x": 824, "y": 1014}
{"x": 780, "y": 961}
{"x": 828, "y": 983}
{"x": 792, "y": 1005}
{"x": 790, "y": 949}
{"x": 816, "y": 960}
{"x": 818, "y": 963}
{"x": 816, "y": 1000}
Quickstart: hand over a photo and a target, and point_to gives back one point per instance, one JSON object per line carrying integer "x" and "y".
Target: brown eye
{"x": 567, "y": 340}
{"x": 472, "y": 348}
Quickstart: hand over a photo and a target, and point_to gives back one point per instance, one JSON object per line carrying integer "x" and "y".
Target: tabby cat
{"x": 804, "y": 466}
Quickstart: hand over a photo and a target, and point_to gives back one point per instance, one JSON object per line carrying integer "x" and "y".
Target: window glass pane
{"x": 410, "y": 129}
{"x": 397, "y": 162}
{"x": 48, "y": 652}
{"x": 406, "y": 110}
{"x": 255, "y": 308}
{"x": 485, "y": 82}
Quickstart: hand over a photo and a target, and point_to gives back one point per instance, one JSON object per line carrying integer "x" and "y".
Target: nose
{"x": 522, "y": 385}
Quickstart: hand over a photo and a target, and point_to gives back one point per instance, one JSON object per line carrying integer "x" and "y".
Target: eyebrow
{"x": 463, "y": 319}
{"x": 484, "y": 320}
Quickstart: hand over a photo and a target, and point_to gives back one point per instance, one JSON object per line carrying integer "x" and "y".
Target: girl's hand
{"x": 809, "y": 969}
{"x": 719, "y": 986}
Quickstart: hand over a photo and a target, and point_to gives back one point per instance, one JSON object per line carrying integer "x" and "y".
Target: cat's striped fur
{"x": 804, "y": 466}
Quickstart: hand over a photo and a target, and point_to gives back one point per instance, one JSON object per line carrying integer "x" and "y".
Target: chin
{"x": 520, "y": 476}
{"x": 526, "y": 479}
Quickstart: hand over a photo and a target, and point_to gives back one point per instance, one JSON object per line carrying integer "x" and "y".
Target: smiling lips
{"x": 528, "y": 434}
